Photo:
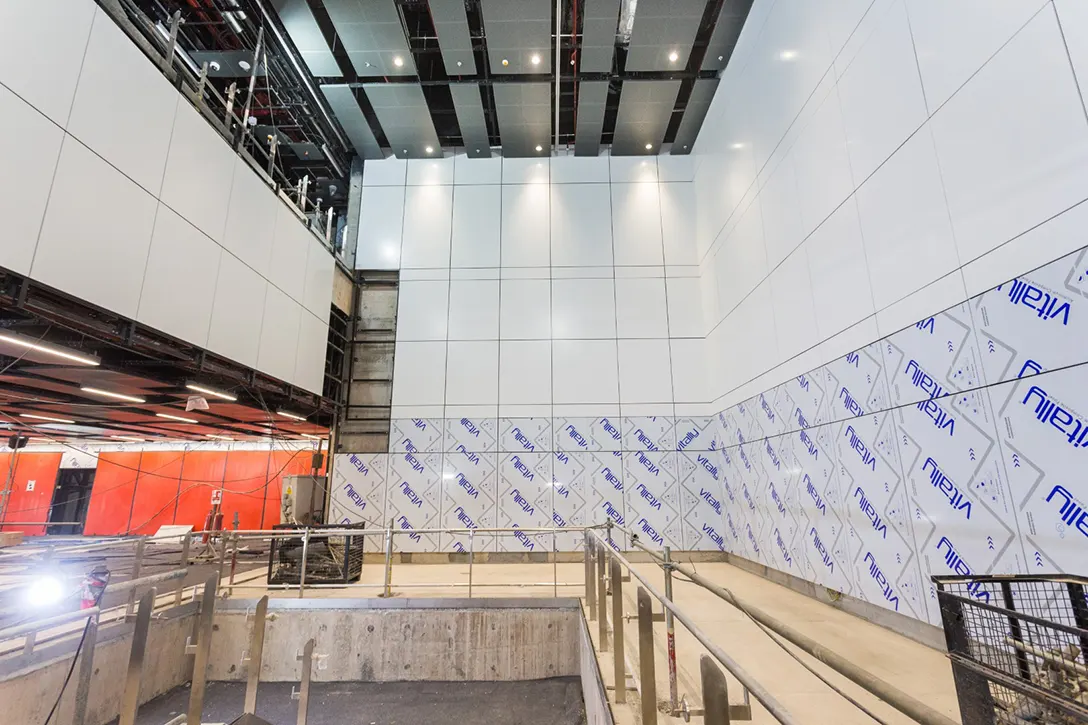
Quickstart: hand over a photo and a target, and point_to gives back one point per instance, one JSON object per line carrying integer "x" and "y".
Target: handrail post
{"x": 130, "y": 699}
{"x": 646, "y": 672}
{"x": 137, "y": 566}
{"x": 471, "y": 556}
{"x": 602, "y": 599}
{"x": 184, "y": 564}
{"x": 591, "y": 585}
{"x": 201, "y": 649}
{"x": 670, "y": 634}
{"x": 555, "y": 564}
{"x": 715, "y": 693}
{"x": 254, "y": 656}
{"x": 387, "y": 592}
{"x": 617, "y": 632}
{"x": 86, "y": 671}
{"x": 302, "y": 573}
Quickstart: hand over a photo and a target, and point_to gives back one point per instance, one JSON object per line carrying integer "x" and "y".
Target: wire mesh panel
{"x": 1019, "y": 647}
{"x": 330, "y": 559}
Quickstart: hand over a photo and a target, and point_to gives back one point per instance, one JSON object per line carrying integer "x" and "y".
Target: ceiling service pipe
{"x": 901, "y": 701}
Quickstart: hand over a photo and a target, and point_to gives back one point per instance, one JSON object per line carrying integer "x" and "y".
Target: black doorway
{"x": 70, "y": 499}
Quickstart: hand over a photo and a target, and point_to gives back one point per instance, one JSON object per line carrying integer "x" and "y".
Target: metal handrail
{"x": 760, "y": 693}
{"x": 901, "y": 701}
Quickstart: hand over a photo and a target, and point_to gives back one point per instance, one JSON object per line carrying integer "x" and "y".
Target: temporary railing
{"x": 609, "y": 578}
{"x": 901, "y": 701}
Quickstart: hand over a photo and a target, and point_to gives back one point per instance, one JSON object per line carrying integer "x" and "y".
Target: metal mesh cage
{"x": 330, "y": 559}
{"x": 1019, "y": 647}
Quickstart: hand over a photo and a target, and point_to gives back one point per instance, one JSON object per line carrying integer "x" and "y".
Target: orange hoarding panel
{"x": 32, "y": 481}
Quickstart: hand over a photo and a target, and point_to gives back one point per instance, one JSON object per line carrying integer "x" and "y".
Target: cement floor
{"x": 922, "y": 672}
{"x": 556, "y": 701}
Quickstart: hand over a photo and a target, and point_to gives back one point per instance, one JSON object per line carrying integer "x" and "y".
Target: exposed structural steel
{"x": 901, "y": 701}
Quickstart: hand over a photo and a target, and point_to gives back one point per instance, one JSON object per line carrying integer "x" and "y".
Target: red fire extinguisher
{"x": 93, "y": 585}
{"x": 214, "y": 520}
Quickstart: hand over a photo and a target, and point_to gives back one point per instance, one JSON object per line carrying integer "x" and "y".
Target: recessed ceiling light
{"x": 505, "y": 62}
{"x": 210, "y": 391}
{"x": 46, "y": 417}
{"x": 398, "y": 61}
{"x": 176, "y": 417}
{"x": 539, "y": 147}
{"x": 649, "y": 146}
{"x": 535, "y": 60}
{"x": 368, "y": 64}
{"x": 244, "y": 65}
{"x": 217, "y": 437}
{"x": 787, "y": 55}
{"x": 47, "y": 349}
{"x": 721, "y": 58}
{"x": 674, "y": 56}
{"x": 685, "y": 146}
{"x": 108, "y": 394}
{"x": 132, "y": 439}
{"x": 458, "y": 64}
{"x": 430, "y": 149}
{"x": 292, "y": 416}
{"x": 736, "y": 146}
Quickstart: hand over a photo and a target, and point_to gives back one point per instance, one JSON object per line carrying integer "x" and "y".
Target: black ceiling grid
{"x": 430, "y": 37}
{"x": 138, "y": 361}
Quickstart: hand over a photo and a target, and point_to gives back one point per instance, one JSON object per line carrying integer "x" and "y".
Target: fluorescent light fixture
{"x": 316, "y": 438}
{"x": 292, "y": 416}
{"x": 176, "y": 417}
{"x": 47, "y": 349}
{"x": 133, "y": 439}
{"x": 674, "y": 56}
{"x": 210, "y": 391}
{"x": 46, "y": 417}
{"x": 398, "y": 61}
{"x": 539, "y": 148}
{"x": 535, "y": 59}
{"x": 108, "y": 394}
{"x": 649, "y": 146}
{"x": 218, "y": 438}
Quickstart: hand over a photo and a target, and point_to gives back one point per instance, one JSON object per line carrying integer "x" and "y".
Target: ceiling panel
{"x": 644, "y": 114}
{"x": 517, "y": 31}
{"x": 702, "y": 93}
{"x": 726, "y": 31}
{"x": 524, "y": 111}
{"x": 373, "y": 36}
{"x": 470, "y": 117}
{"x": 299, "y": 22}
{"x": 599, "y": 35}
{"x": 406, "y": 119}
{"x": 342, "y": 100}
{"x": 661, "y": 28}
{"x": 592, "y": 97}
{"x": 451, "y": 26}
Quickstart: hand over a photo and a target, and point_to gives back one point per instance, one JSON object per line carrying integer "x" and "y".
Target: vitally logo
{"x": 882, "y": 581}
{"x": 612, "y": 479}
{"x": 613, "y": 513}
{"x": 709, "y": 498}
{"x": 708, "y": 466}
{"x": 522, "y": 502}
{"x": 766, "y": 408}
{"x": 465, "y": 519}
{"x": 782, "y": 547}
{"x": 1045, "y": 304}
{"x": 867, "y": 458}
{"x": 944, "y": 484}
{"x": 406, "y": 525}
{"x": 470, "y": 427}
{"x": 649, "y": 497}
{"x": 870, "y": 512}
{"x": 956, "y": 563}
{"x": 1049, "y": 412}
{"x": 647, "y": 463}
{"x": 467, "y": 485}
{"x": 472, "y": 457}
{"x": 354, "y": 497}
{"x": 820, "y": 505}
{"x": 714, "y": 536}
{"x": 777, "y": 500}
{"x": 411, "y": 495}
{"x": 1072, "y": 511}
{"x": 650, "y": 531}
{"x": 773, "y": 456}
{"x": 818, "y": 544}
{"x": 521, "y": 468}
{"x": 523, "y": 440}
{"x": 610, "y": 429}
{"x": 849, "y": 403}
{"x": 360, "y": 466}
{"x": 646, "y": 441}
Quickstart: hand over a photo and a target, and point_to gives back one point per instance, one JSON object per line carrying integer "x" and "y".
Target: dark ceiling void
{"x": 71, "y": 371}
{"x": 415, "y": 67}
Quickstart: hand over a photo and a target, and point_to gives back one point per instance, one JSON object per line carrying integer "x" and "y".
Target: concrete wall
{"x": 404, "y": 640}
{"x": 28, "y": 688}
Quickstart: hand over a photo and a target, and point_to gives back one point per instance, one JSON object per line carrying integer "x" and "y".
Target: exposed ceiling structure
{"x": 414, "y": 78}
{"x": 72, "y": 372}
